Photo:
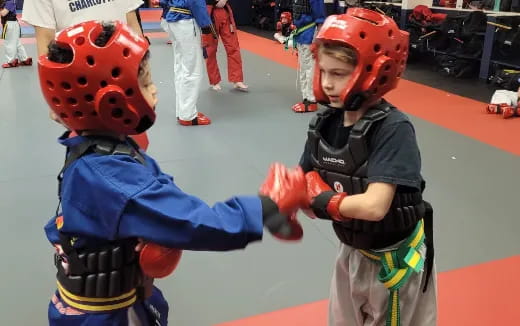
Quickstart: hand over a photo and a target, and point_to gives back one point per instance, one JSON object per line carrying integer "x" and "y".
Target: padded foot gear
{"x": 200, "y": 120}
{"x": 26, "y": 62}
{"x": 305, "y": 106}
{"x": 240, "y": 86}
{"x": 216, "y": 87}
{"x": 12, "y": 64}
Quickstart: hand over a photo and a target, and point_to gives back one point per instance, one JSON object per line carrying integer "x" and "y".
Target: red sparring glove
{"x": 282, "y": 193}
{"x": 322, "y": 201}
{"x": 278, "y": 26}
{"x": 509, "y": 112}
{"x": 497, "y": 108}
{"x": 157, "y": 261}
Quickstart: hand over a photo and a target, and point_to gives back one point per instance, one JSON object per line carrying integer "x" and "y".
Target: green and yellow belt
{"x": 396, "y": 268}
{"x": 297, "y": 32}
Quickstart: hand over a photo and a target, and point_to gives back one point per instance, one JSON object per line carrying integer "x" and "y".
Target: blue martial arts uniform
{"x": 110, "y": 197}
{"x": 197, "y": 10}
{"x": 317, "y": 16}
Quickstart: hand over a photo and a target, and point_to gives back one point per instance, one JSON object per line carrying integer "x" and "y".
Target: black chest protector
{"x": 106, "y": 277}
{"x": 301, "y": 7}
{"x": 345, "y": 169}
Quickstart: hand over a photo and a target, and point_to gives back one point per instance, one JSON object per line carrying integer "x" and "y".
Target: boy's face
{"x": 335, "y": 74}
{"x": 147, "y": 86}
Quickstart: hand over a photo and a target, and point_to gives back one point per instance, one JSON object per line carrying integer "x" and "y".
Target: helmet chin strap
{"x": 355, "y": 102}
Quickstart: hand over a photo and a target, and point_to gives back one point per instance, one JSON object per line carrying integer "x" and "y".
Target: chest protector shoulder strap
{"x": 352, "y": 158}
{"x": 104, "y": 278}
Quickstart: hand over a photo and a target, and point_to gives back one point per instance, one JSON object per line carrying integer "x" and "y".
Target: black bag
{"x": 448, "y": 33}
{"x": 507, "y": 41}
{"x": 505, "y": 79}
{"x": 457, "y": 67}
{"x": 475, "y": 22}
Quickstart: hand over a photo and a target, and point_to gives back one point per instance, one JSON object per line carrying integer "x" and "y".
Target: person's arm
{"x": 131, "y": 201}
{"x": 201, "y": 16}
{"x": 372, "y": 205}
{"x": 131, "y": 20}
{"x": 394, "y": 161}
{"x": 166, "y": 215}
{"x": 6, "y": 7}
{"x": 40, "y": 14}
{"x": 44, "y": 36}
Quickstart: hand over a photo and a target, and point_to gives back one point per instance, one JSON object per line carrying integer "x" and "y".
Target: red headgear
{"x": 99, "y": 89}
{"x": 287, "y": 16}
{"x": 381, "y": 49}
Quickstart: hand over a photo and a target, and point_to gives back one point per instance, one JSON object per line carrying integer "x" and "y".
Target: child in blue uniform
{"x": 115, "y": 199}
{"x": 308, "y": 15}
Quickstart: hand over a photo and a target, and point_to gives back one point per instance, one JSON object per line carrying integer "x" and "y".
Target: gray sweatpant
{"x": 13, "y": 47}
{"x": 357, "y": 298}
{"x": 306, "y": 71}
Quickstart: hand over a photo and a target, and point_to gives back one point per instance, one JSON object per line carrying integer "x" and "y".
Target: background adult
{"x": 51, "y": 16}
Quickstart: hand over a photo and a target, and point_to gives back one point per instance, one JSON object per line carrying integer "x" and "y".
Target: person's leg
{"x": 188, "y": 71}
{"x": 232, "y": 46}
{"x": 350, "y": 287}
{"x": 176, "y": 67}
{"x": 164, "y": 26}
{"x": 305, "y": 79}
{"x": 211, "y": 52}
{"x": 10, "y": 44}
{"x": 21, "y": 54}
{"x": 308, "y": 68}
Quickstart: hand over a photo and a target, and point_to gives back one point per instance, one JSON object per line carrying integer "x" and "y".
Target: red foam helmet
{"x": 99, "y": 89}
{"x": 381, "y": 49}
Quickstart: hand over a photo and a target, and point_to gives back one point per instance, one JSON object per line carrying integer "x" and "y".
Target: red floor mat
{"x": 481, "y": 295}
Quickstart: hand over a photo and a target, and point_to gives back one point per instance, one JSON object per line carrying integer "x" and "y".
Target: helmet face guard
{"x": 99, "y": 88}
{"x": 381, "y": 49}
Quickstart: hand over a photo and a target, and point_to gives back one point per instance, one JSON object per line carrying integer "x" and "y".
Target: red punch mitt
{"x": 157, "y": 261}
{"x": 287, "y": 188}
{"x": 286, "y": 193}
